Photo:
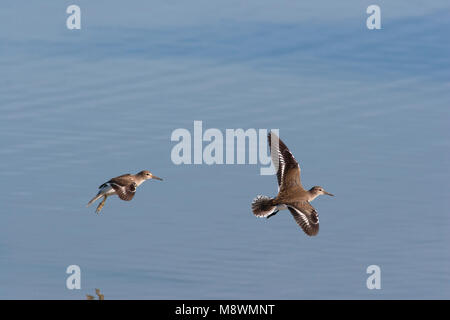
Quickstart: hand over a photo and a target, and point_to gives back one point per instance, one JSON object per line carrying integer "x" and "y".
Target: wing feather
{"x": 306, "y": 217}
{"x": 124, "y": 192}
{"x": 120, "y": 180}
{"x": 288, "y": 169}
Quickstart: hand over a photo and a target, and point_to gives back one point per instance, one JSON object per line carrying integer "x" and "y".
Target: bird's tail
{"x": 98, "y": 196}
{"x": 263, "y": 206}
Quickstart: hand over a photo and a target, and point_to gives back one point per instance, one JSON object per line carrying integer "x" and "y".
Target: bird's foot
{"x": 272, "y": 214}
{"x": 100, "y": 206}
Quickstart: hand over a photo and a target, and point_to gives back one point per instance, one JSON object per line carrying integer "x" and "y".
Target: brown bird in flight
{"x": 123, "y": 186}
{"x": 291, "y": 194}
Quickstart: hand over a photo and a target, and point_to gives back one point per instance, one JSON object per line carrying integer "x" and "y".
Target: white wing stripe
{"x": 303, "y": 216}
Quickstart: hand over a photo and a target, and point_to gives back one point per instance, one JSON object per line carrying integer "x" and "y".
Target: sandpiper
{"x": 123, "y": 186}
{"x": 291, "y": 194}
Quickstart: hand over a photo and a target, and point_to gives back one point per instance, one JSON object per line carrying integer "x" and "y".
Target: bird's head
{"x": 147, "y": 175}
{"x": 317, "y": 191}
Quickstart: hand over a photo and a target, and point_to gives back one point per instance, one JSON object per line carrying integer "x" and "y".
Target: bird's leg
{"x": 100, "y": 206}
{"x": 272, "y": 214}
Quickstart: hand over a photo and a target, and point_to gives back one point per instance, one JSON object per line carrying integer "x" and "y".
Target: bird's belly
{"x": 108, "y": 190}
{"x": 281, "y": 207}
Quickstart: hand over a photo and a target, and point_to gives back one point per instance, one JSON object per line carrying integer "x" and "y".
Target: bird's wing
{"x": 122, "y": 180}
{"x": 288, "y": 170}
{"x": 124, "y": 192}
{"x": 306, "y": 217}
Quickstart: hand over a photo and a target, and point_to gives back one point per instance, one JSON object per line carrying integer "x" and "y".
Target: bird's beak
{"x": 157, "y": 178}
{"x": 328, "y": 194}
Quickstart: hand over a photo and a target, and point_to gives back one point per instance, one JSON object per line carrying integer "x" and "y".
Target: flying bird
{"x": 99, "y": 294}
{"x": 291, "y": 194}
{"x": 123, "y": 186}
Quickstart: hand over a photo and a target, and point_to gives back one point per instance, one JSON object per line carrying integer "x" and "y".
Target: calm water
{"x": 366, "y": 113}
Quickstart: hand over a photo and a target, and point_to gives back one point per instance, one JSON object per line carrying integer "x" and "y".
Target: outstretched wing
{"x": 288, "y": 170}
{"x": 124, "y": 192}
{"x": 306, "y": 217}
